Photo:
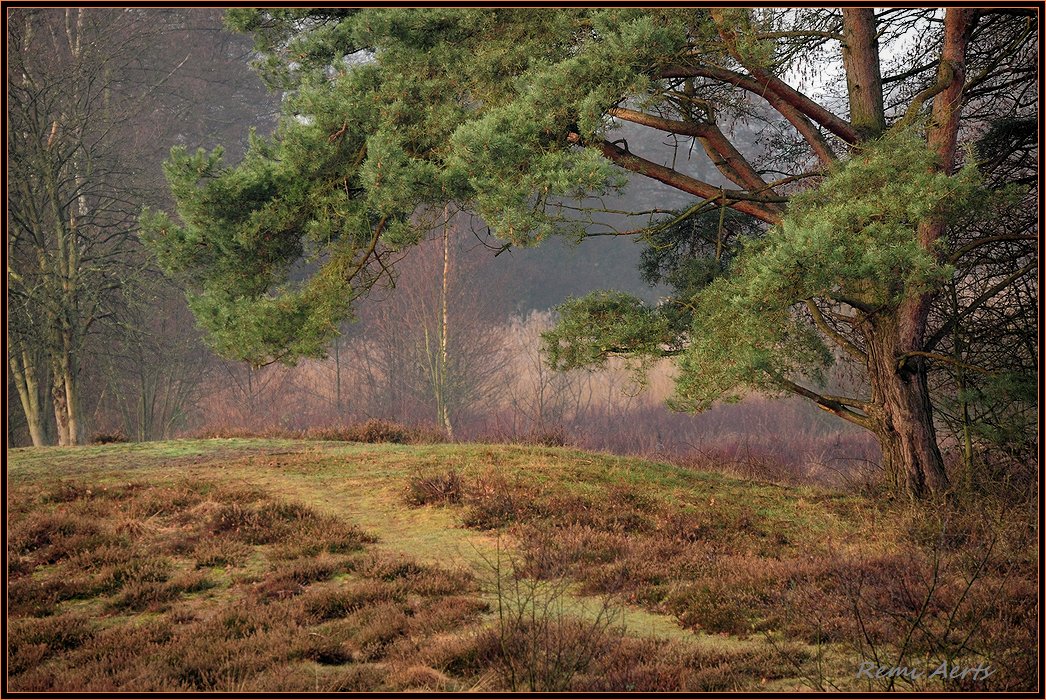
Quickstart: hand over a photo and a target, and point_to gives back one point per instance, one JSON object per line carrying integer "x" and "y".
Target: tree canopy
{"x": 837, "y": 231}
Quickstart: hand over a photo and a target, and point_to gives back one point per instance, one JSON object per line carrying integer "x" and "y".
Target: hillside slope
{"x": 259, "y": 565}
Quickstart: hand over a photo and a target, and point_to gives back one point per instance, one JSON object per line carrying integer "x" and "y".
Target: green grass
{"x": 751, "y": 579}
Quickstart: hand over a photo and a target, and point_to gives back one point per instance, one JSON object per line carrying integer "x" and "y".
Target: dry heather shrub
{"x": 420, "y": 678}
{"x": 447, "y": 613}
{"x": 686, "y": 525}
{"x": 108, "y": 437}
{"x": 553, "y": 552}
{"x": 715, "y": 608}
{"x": 210, "y": 663}
{"x": 183, "y": 614}
{"x": 32, "y": 641}
{"x": 418, "y": 578}
{"x": 459, "y": 654}
{"x": 291, "y": 578}
{"x": 546, "y": 653}
{"x": 145, "y": 595}
{"x": 29, "y": 597}
{"x": 493, "y": 502}
{"x": 285, "y": 678}
{"x": 434, "y": 487}
{"x": 378, "y": 431}
{"x": 378, "y": 626}
{"x": 604, "y": 513}
{"x": 50, "y": 537}
{"x": 328, "y": 534}
{"x": 65, "y": 492}
{"x": 38, "y": 595}
{"x": 25, "y": 656}
{"x": 153, "y": 595}
{"x": 109, "y": 555}
{"x": 236, "y": 493}
{"x": 144, "y": 568}
{"x": 164, "y": 501}
{"x": 305, "y": 531}
{"x": 389, "y": 604}
{"x": 442, "y": 581}
{"x": 652, "y": 665}
{"x": 213, "y": 552}
{"x": 300, "y": 678}
{"x": 331, "y": 645}
{"x": 335, "y": 603}
{"x": 357, "y": 678}
{"x": 18, "y": 566}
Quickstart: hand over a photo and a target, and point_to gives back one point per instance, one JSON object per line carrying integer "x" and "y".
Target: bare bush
{"x": 539, "y": 643}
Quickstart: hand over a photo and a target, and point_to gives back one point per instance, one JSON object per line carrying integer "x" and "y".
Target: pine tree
{"x": 512, "y": 113}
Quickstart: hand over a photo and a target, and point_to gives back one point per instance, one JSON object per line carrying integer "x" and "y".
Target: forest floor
{"x": 257, "y": 565}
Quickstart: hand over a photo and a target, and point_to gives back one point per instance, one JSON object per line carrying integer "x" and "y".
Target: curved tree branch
{"x": 835, "y": 335}
{"x": 833, "y": 405}
{"x": 729, "y": 161}
{"x": 753, "y": 205}
{"x": 903, "y": 359}
{"x": 835, "y": 124}
{"x": 821, "y": 148}
{"x": 988, "y": 240}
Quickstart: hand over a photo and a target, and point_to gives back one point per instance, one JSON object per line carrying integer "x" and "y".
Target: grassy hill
{"x": 281, "y": 565}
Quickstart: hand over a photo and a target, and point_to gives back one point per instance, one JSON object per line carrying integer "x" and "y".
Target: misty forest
{"x": 522, "y": 349}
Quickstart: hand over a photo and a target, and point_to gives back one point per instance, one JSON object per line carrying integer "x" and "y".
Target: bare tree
{"x": 95, "y": 97}
{"x": 71, "y": 209}
{"x": 155, "y": 370}
{"x": 540, "y": 397}
{"x": 432, "y": 349}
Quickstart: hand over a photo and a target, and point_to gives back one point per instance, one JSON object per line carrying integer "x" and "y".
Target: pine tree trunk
{"x": 863, "y": 80}
{"x": 901, "y": 411}
{"x": 901, "y": 408}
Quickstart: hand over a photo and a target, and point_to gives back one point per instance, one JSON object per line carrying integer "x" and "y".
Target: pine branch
{"x": 833, "y": 404}
{"x": 810, "y": 133}
{"x": 753, "y": 205}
